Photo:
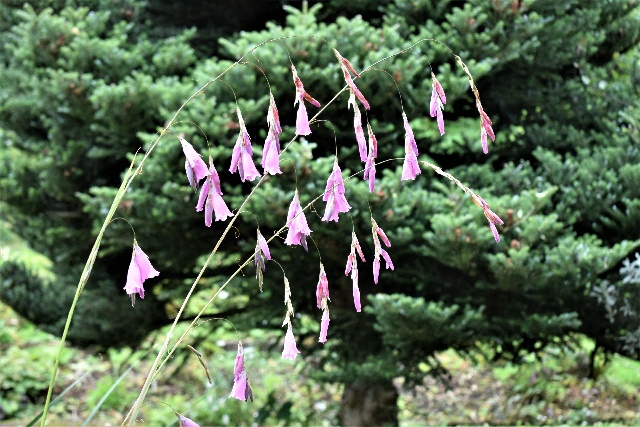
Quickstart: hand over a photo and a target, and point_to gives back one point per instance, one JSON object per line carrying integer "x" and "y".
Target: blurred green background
{"x": 540, "y": 328}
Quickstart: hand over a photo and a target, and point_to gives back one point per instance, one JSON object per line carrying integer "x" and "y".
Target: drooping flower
{"x": 297, "y": 223}
{"x": 357, "y": 126}
{"x": 195, "y": 167}
{"x": 378, "y": 233}
{"x": 490, "y": 215}
{"x": 322, "y": 290}
{"x": 334, "y": 195}
{"x": 485, "y": 127}
{"x": 438, "y": 99}
{"x": 261, "y": 249}
{"x": 140, "y": 269}
{"x": 241, "y": 388}
{"x": 290, "y": 350}
{"x": 324, "y": 326}
{"x": 370, "y": 165}
{"x": 352, "y": 267}
{"x": 186, "y": 422}
{"x": 241, "y": 157}
{"x": 271, "y": 152}
{"x": 262, "y": 246}
{"x": 211, "y": 198}
{"x": 410, "y": 167}
{"x": 302, "y": 119}
{"x": 347, "y": 68}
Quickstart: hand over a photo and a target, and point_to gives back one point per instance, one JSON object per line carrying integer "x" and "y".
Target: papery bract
{"x": 290, "y": 350}
{"x": 195, "y": 167}
{"x": 140, "y": 269}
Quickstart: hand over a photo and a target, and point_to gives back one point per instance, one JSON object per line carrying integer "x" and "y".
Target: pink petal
{"x": 204, "y": 192}
{"x": 356, "y": 295}
{"x": 324, "y": 326}
{"x": 350, "y": 260}
{"x": 220, "y": 207}
{"x": 383, "y": 236}
{"x": 249, "y": 171}
{"x": 494, "y": 230}
{"x": 290, "y": 350}
{"x": 409, "y": 139}
{"x": 433, "y": 104}
{"x": 238, "y": 366}
{"x": 134, "y": 282}
{"x": 438, "y": 88}
{"x": 440, "y": 120}
{"x": 235, "y": 155}
{"x": 387, "y": 259}
{"x": 483, "y": 140}
{"x": 376, "y": 269}
{"x": 194, "y": 160}
{"x": 263, "y": 246}
{"x": 186, "y": 422}
{"x": 302, "y": 120}
{"x": 146, "y": 269}
{"x": 239, "y": 390}
{"x": 270, "y": 156}
{"x": 410, "y": 167}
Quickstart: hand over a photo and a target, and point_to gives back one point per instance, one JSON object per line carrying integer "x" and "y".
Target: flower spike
{"x": 140, "y": 269}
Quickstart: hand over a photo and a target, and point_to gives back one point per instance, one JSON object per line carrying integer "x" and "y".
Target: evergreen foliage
{"x": 83, "y": 87}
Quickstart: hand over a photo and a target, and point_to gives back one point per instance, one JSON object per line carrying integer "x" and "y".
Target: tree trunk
{"x": 369, "y": 404}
